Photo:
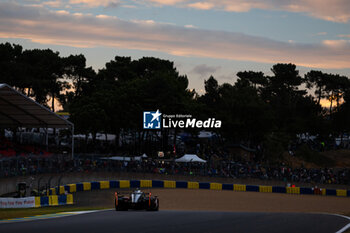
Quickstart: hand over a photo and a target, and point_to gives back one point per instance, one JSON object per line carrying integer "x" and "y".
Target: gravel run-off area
{"x": 223, "y": 200}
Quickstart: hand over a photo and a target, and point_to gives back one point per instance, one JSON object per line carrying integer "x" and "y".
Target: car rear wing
{"x": 123, "y": 193}
{"x": 120, "y": 194}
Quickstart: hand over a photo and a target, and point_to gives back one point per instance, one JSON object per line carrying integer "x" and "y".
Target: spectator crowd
{"x": 221, "y": 168}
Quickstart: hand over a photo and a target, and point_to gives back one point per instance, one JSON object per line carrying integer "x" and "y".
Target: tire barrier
{"x": 171, "y": 184}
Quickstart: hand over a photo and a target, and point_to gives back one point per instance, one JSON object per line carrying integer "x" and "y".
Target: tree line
{"x": 257, "y": 109}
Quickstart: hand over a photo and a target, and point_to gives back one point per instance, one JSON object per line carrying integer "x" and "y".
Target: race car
{"x": 136, "y": 200}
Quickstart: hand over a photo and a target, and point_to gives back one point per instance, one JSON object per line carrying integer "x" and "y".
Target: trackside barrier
{"x": 252, "y": 188}
{"x": 192, "y": 185}
{"x": 293, "y": 190}
{"x": 72, "y": 188}
{"x": 204, "y": 185}
{"x": 95, "y": 185}
{"x": 341, "y": 192}
{"x": 216, "y": 186}
{"x": 104, "y": 184}
{"x": 37, "y": 202}
{"x": 54, "y": 200}
{"x": 331, "y": 192}
{"x": 239, "y": 187}
{"x": 265, "y": 189}
{"x": 52, "y": 191}
{"x": 158, "y": 184}
{"x": 80, "y": 187}
{"x": 227, "y": 187}
{"x": 307, "y": 190}
{"x": 87, "y": 186}
{"x": 61, "y": 190}
{"x": 146, "y": 183}
{"x": 114, "y": 183}
{"x": 124, "y": 184}
{"x": 135, "y": 183}
{"x": 169, "y": 184}
{"x": 181, "y": 184}
{"x": 278, "y": 189}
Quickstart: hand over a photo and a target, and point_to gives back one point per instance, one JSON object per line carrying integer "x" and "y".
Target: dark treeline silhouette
{"x": 257, "y": 110}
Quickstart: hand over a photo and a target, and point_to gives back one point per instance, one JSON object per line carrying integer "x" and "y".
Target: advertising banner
{"x": 10, "y": 202}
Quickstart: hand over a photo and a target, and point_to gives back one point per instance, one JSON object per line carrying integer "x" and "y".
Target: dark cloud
{"x": 204, "y": 70}
{"x": 113, "y": 4}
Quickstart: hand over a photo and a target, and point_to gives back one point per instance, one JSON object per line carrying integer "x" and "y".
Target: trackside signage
{"x": 157, "y": 120}
{"x": 10, "y": 202}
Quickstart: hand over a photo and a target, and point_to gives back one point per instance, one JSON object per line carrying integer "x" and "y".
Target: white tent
{"x": 205, "y": 134}
{"x": 190, "y": 158}
{"x": 144, "y": 156}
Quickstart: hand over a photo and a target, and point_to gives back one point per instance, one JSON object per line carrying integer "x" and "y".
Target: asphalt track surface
{"x": 181, "y": 222}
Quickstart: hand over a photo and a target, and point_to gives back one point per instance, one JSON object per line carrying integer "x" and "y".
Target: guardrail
{"x": 96, "y": 185}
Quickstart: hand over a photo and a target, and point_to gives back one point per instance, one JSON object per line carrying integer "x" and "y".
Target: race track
{"x": 181, "y": 222}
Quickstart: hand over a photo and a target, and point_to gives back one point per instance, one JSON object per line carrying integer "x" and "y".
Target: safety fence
{"x": 32, "y": 202}
{"x": 171, "y": 184}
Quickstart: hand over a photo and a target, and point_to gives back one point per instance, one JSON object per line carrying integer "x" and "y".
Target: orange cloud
{"x": 202, "y": 5}
{"x": 336, "y": 43}
{"x": 166, "y": 2}
{"x": 85, "y": 30}
{"x": 336, "y": 10}
{"x": 346, "y": 36}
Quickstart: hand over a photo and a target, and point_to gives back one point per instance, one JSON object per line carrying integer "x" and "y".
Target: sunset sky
{"x": 203, "y": 38}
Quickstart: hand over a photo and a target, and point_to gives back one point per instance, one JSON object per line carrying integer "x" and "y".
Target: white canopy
{"x": 205, "y": 134}
{"x": 190, "y": 158}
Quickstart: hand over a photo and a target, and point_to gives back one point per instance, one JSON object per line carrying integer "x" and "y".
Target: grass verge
{"x": 27, "y": 212}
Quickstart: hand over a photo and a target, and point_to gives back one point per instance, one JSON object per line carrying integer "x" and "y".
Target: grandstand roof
{"x": 18, "y": 110}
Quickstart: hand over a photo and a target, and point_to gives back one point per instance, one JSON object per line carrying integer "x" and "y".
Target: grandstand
{"x": 18, "y": 111}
